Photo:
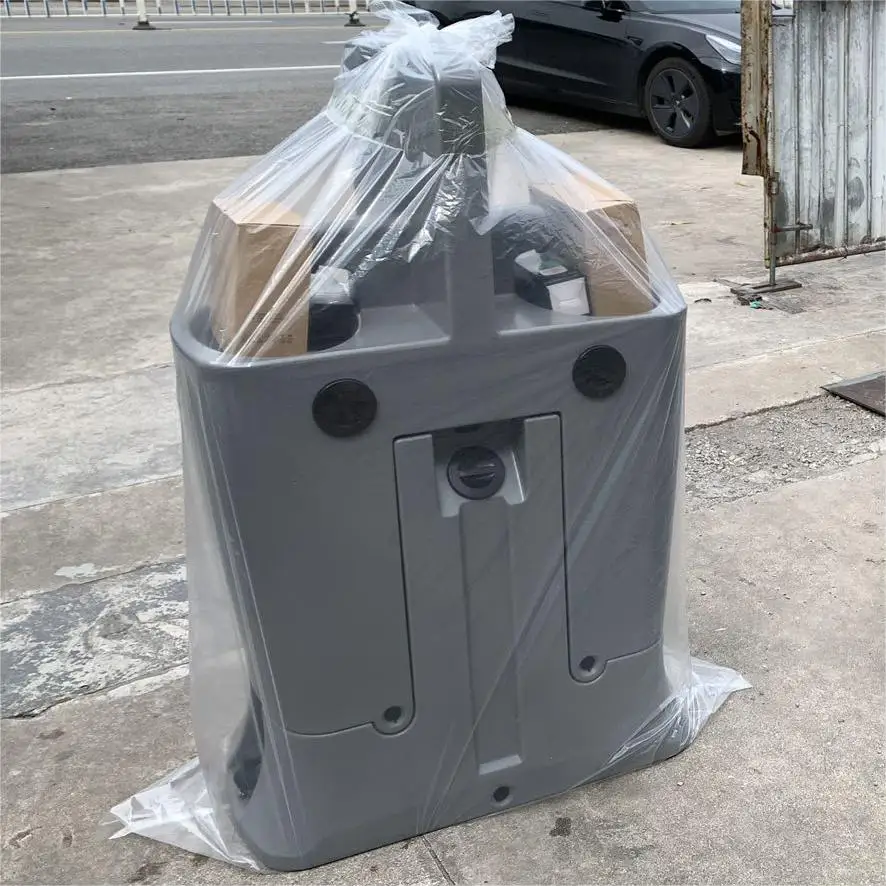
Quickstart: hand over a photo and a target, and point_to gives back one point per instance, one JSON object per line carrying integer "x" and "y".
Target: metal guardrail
{"x": 166, "y": 8}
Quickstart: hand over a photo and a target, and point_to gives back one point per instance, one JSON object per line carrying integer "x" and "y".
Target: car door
{"x": 520, "y": 58}
{"x": 582, "y": 47}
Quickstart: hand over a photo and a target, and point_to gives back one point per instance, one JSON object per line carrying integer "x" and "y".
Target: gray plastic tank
{"x": 447, "y": 543}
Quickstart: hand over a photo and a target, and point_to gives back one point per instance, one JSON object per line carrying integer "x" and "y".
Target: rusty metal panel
{"x": 755, "y": 27}
{"x": 826, "y": 163}
{"x": 869, "y": 391}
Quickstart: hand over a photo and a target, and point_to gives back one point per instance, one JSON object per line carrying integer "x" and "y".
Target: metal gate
{"x": 814, "y": 124}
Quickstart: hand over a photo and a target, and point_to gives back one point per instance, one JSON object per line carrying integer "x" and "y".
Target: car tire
{"x": 677, "y": 103}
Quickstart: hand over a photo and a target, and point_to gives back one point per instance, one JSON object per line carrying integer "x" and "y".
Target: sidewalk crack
{"x": 86, "y": 378}
{"x": 440, "y": 866}
{"x": 179, "y": 560}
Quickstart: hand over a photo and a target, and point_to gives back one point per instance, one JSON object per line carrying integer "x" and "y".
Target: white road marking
{"x": 167, "y": 25}
{"x": 105, "y": 74}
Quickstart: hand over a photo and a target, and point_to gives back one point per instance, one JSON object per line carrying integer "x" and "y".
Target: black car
{"x": 675, "y": 62}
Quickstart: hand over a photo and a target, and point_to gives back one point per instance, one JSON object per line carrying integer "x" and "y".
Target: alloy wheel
{"x": 674, "y": 103}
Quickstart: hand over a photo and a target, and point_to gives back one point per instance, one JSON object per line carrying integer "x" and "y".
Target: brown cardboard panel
{"x": 260, "y": 261}
{"x": 616, "y": 265}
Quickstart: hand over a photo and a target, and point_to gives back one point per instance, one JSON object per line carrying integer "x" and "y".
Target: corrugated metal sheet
{"x": 827, "y": 127}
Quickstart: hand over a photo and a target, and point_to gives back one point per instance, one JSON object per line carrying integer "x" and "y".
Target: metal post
{"x": 757, "y": 109}
{"x": 773, "y": 236}
{"x": 141, "y": 12}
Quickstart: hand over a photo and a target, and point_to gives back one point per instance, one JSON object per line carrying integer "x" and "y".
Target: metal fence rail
{"x": 165, "y": 8}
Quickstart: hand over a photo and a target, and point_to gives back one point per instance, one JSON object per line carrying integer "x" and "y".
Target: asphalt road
{"x": 93, "y": 92}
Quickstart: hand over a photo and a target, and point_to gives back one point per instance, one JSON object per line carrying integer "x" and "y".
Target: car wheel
{"x": 678, "y": 104}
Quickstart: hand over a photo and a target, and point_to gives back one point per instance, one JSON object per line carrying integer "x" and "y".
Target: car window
{"x": 697, "y": 6}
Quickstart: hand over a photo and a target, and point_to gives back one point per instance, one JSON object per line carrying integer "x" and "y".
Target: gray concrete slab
{"x": 89, "y": 436}
{"x": 777, "y": 378}
{"x": 83, "y": 638}
{"x": 78, "y": 540}
{"x": 783, "y": 785}
{"x": 93, "y": 262}
{"x": 837, "y": 301}
{"x": 705, "y": 214}
{"x": 63, "y": 771}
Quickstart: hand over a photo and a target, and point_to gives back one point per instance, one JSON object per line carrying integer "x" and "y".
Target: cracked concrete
{"x": 775, "y": 447}
{"x": 98, "y": 632}
{"x": 79, "y": 639}
{"x": 46, "y": 545}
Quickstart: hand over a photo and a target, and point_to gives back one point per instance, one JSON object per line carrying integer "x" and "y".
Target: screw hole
{"x": 501, "y": 794}
{"x": 393, "y": 714}
{"x": 587, "y": 663}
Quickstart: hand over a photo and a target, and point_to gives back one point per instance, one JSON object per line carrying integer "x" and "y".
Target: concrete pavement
{"x": 784, "y": 552}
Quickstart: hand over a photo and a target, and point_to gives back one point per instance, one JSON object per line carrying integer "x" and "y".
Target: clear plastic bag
{"x": 430, "y": 377}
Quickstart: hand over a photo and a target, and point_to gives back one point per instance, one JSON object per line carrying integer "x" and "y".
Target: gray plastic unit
{"x": 459, "y": 608}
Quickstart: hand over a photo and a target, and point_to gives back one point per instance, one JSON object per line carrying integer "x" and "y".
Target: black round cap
{"x": 344, "y": 408}
{"x": 476, "y": 472}
{"x": 599, "y": 372}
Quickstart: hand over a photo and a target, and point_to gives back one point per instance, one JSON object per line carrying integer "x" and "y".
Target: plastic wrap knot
{"x": 409, "y": 82}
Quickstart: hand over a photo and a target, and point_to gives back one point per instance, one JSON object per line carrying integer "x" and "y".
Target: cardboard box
{"x": 258, "y": 304}
{"x": 612, "y": 240}
{"x": 260, "y": 257}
